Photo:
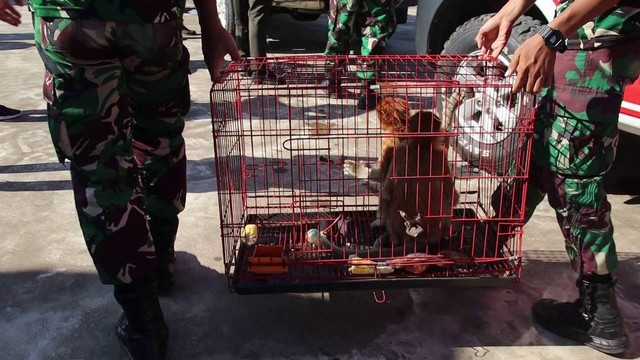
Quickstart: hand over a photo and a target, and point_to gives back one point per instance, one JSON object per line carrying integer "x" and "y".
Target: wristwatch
{"x": 553, "y": 38}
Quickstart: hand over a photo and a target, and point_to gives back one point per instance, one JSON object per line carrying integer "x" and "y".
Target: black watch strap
{"x": 553, "y": 38}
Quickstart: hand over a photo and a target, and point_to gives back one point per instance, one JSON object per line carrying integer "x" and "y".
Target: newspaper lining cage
{"x": 300, "y": 207}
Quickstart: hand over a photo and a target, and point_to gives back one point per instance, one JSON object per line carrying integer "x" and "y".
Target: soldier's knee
{"x": 587, "y": 204}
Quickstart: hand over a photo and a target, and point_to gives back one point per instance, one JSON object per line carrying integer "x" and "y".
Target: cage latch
{"x": 413, "y": 225}
{"x": 381, "y": 300}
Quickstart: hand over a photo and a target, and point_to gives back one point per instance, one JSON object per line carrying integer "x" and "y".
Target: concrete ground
{"x": 52, "y": 305}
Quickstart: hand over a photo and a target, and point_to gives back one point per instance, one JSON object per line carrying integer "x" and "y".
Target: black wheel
{"x": 463, "y": 40}
{"x": 402, "y": 15}
{"x": 229, "y": 17}
{"x": 485, "y": 131}
{"x": 301, "y": 16}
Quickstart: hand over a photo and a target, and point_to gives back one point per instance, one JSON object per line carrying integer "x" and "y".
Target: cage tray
{"x": 320, "y": 272}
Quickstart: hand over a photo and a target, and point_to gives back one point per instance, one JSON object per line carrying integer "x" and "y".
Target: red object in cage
{"x": 425, "y": 186}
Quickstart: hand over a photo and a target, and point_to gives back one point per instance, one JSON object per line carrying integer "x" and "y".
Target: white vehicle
{"x": 629, "y": 120}
{"x": 450, "y": 27}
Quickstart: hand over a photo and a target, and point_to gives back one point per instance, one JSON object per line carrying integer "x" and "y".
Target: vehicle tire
{"x": 229, "y": 17}
{"x": 301, "y": 16}
{"x": 495, "y": 157}
{"x": 402, "y": 15}
{"x": 463, "y": 40}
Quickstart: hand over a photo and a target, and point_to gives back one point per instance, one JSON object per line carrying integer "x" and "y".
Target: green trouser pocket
{"x": 57, "y": 127}
{"x": 576, "y": 128}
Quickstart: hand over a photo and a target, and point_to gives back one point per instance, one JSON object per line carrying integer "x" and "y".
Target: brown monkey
{"x": 416, "y": 180}
{"x": 418, "y": 186}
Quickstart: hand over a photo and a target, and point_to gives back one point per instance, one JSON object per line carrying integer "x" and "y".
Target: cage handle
{"x": 378, "y": 300}
{"x": 294, "y": 144}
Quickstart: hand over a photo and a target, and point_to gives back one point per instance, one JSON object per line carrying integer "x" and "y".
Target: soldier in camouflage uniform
{"x": 574, "y": 145}
{"x": 378, "y": 21}
{"x": 117, "y": 92}
{"x": 251, "y": 19}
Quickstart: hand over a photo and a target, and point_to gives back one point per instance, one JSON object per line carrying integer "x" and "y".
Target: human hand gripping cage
{"x": 427, "y": 186}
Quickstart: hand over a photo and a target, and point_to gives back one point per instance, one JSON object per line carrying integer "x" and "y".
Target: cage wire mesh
{"x": 301, "y": 172}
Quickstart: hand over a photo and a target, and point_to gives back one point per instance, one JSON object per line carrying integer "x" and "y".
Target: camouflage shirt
{"x": 128, "y": 11}
{"x": 618, "y": 24}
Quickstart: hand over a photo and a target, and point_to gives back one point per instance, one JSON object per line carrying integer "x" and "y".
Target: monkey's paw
{"x": 377, "y": 223}
{"x": 359, "y": 169}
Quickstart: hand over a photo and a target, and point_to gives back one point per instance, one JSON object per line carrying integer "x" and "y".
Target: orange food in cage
{"x": 268, "y": 260}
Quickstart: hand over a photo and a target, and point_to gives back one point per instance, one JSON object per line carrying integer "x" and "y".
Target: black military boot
{"x": 163, "y": 232}
{"x": 593, "y": 319}
{"x": 333, "y": 74}
{"x": 368, "y": 98}
{"x": 267, "y": 74}
{"x": 141, "y": 328}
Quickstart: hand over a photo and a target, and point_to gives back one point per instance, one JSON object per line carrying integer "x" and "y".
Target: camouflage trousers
{"x": 116, "y": 95}
{"x": 251, "y": 18}
{"x": 378, "y": 25}
{"x": 574, "y": 145}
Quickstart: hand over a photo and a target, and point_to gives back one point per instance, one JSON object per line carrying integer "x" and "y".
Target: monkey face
{"x": 393, "y": 114}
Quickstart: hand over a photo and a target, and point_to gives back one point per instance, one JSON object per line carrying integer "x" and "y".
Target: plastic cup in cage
{"x": 250, "y": 234}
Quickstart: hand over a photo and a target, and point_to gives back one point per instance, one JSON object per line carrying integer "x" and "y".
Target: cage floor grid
{"x": 305, "y": 268}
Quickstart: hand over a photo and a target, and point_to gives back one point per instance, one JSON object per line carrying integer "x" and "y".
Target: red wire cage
{"x": 316, "y": 194}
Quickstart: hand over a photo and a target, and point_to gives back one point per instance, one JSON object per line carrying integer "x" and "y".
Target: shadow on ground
{"x": 200, "y": 177}
{"x": 16, "y": 41}
{"x": 70, "y": 315}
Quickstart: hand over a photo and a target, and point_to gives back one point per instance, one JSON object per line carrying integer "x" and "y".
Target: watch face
{"x": 552, "y": 38}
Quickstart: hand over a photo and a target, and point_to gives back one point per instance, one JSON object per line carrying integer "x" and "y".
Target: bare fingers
{"x": 8, "y": 13}
{"x": 10, "y": 16}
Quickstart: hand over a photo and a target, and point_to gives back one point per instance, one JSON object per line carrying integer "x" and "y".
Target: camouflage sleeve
{"x": 139, "y": 11}
{"x": 621, "y": 23}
